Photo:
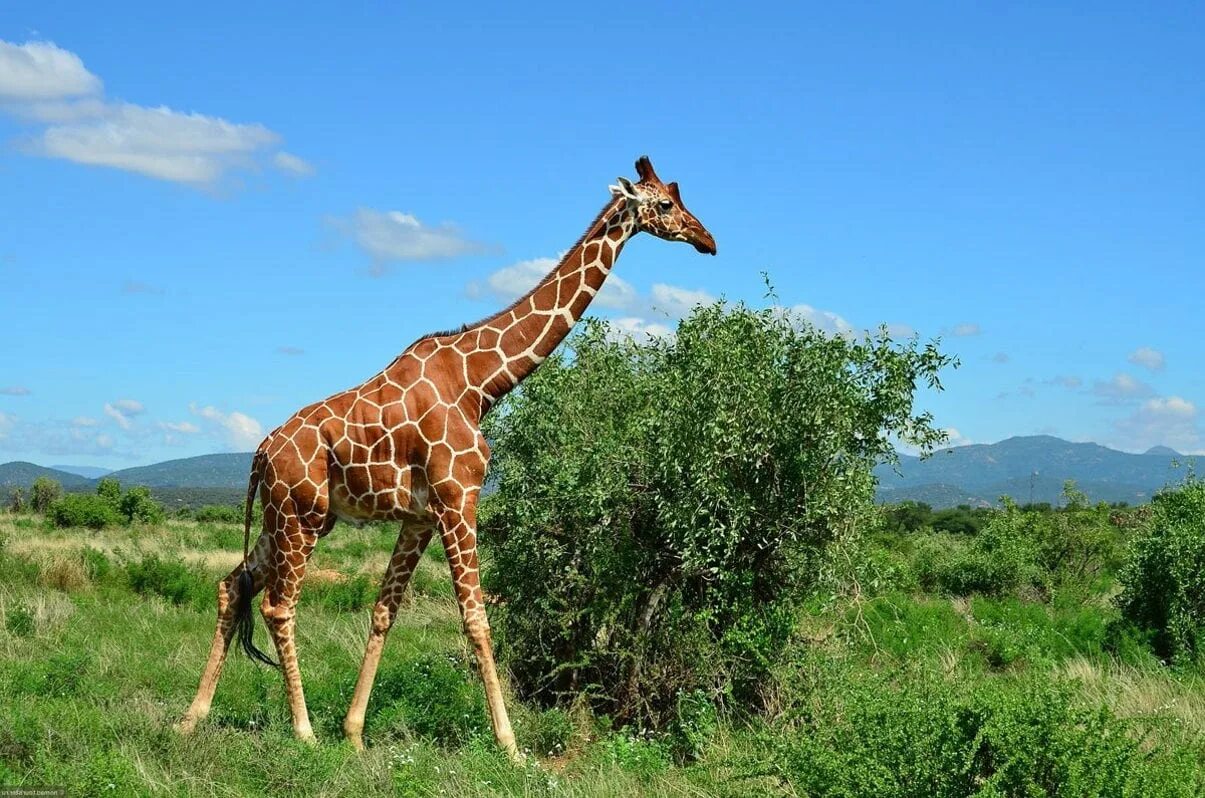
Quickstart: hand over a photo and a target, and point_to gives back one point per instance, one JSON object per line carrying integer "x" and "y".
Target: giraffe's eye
{"x": 665, "y": 205}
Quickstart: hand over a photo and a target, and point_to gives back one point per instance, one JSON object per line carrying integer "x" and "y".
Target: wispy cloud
{"x": 1068, "y": 381}
{"x": 290, "y": 164}
{"x": 14, "y": 390}
{"x": 394, "y": 237}
{"x": 1150, "y": 359}
{"x": 123, "y": 411}
{"x": 49, "y": 88}
{"x": 239, "y": 430}
{"x": 292, "y": 351}
{"x": 1121, "y": 388}
{"x": 965, "y": 330}
{"x": 1161, "y": 421}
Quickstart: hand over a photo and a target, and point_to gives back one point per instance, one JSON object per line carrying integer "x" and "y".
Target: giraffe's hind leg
{"x": 293, "y": 543}
{"x": 407, "y": 552}
{"x": 228, "y": 597}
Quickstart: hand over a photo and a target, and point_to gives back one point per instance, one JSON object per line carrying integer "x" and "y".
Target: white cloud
{"x": 157, "y": 142}
{"x": 678, "y": 302}
{"x": 388, "y": 236}
{"x": 956, "y": 438}
{"x": 1150, "y": 359}
{"x": 900, "y": 330}
{"x": 965, "y": 329}
{"x": 1161, "y": 421}
{"x": 1121, "y": 388}
{"x": 184, "y": 427}
{"x": 14, "y": 390}
{"x": 51, "y": 438}
{"x": 511, "y": 282}
{"x": 50, "y": 86}
{"x": 42, "y": 71}
{"x": 639, "y": 329}
{"x": 240, "y": 431}
{"x": 289, "y": 163}
{"x": 123, "y": 411}
{"x": 823, "y": 320}
{"x": 84, "y": 421}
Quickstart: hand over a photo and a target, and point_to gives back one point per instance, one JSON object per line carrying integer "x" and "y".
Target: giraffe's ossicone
{"x": 406, "y": 445}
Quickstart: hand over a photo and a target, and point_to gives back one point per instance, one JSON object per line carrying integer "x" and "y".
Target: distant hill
{"x": 1031, "y": 468}
{"x": 20, "y": 474}
{"x": 206, "y": 471}
{"x": 88, "y": 472}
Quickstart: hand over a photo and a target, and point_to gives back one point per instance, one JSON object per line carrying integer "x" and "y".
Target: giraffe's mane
{"x": 591, "y": 230}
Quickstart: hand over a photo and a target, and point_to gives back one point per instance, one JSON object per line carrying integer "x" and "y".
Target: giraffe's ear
{"x": 625, "y": 189}
{"x": 644, "y": 168}
{"x": 672, "y": 188}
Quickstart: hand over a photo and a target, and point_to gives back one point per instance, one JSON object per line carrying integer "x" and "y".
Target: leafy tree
{"x": 45, "y": 492}
{"x": 1163, "y": 579}
{"x": 109, "y": 489}
{"x": 658, "y": 508}
{"x": 137, "y": 505}
{"x": 16, "y": 501}
{"x": 84, "y": 510}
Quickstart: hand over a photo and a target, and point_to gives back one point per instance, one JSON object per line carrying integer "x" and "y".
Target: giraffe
{"x": 406, "y": 446}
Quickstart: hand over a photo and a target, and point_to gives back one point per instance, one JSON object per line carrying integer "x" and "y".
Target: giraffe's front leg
{"x": 458, "y": 530}
{"x": 411, "y": 543}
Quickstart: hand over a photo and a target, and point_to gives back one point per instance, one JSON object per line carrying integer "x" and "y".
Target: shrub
{"x": 658, "y": 507}
{"x": 1163, "y": 579}
{"x": 219, "y": 513}
{"x": 138, "y": 506}
{"x": 170, "y": 579}
{"x": 930, "y": 739}
{"x": 44, "y": 493}
{"x": 84, "y": 510}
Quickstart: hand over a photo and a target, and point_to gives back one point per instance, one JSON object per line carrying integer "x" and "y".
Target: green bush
{"x": 44, "y": 492}
{"x": 84, "y": 510}
{"x": 659, "y": 508}
{"x": 928, "y": 739}
{"x": 138, "y": 506}
{"x": 170, "y": 579}
{"x": 219, "y": 513}
{"x": 1163, "y": 579}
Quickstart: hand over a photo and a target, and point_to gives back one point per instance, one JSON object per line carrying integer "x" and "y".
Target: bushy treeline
{"x": 660, "y": 509}
{"x": 108, "y": 506}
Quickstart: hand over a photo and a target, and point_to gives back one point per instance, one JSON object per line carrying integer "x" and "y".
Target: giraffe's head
{"x": 659, "y": 209}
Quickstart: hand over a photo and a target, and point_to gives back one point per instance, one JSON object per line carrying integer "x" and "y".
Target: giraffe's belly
{"x": 377, "y": 493}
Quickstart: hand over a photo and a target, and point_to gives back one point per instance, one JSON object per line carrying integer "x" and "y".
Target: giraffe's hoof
{"x": 186, "y": 726}
{"x": 307, "y": 736}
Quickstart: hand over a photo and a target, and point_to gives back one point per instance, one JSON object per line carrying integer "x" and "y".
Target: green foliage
{"x": 433, "y": 697}
{"x": 1163, "y": 579}
{"x": 342, "y": 595}
{"x": 219, "y": 513}
{"x": 16, "y": 501}
{"x": 929, "y": 739}
{"x": 138, "y": 506}
{"x": 658, "y": 508}
{"x": 170, "y": 579}
{"x": 107, "y": 507}
{"x": 45, "y": 492}
{"x": 84, "y": 510}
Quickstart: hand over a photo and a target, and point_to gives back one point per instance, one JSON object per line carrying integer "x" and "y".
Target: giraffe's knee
{"x": 276, "y": 615}
{"x": 382, "y": 618}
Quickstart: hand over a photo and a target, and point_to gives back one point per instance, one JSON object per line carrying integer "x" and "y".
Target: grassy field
{"x": 888, "y": 692}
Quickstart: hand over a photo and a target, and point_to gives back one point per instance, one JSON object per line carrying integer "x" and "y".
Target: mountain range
{"x": 1031, "y": 468}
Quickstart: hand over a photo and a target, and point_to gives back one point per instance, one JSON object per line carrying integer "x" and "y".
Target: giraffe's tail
{"x": 244, "y": 624}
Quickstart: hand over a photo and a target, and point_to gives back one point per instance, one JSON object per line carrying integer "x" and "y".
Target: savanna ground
{"x": 891, "y": 688}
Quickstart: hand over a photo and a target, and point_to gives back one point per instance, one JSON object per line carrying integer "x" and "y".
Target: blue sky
{"x": 215, "y": 215}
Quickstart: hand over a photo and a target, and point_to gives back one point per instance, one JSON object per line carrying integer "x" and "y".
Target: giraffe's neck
{"x": 534, "y": 326}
